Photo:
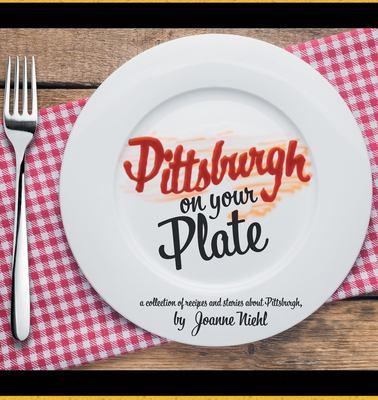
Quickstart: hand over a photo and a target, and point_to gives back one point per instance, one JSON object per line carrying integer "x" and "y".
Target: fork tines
{"x": 33, "y": 84}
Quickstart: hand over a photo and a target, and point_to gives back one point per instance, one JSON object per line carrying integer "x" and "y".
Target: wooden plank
{"x": 341, "y": 335}
{"x": 87, "y": 56}
{"x": 50, "y": 97}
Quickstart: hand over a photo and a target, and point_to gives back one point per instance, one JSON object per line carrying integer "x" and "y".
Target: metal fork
{"x": 20, "y": 128}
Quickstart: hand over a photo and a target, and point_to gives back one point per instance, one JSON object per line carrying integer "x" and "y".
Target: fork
{"x": 20, "y": 128}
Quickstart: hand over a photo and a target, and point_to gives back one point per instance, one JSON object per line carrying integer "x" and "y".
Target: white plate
{"x": 196, "y": 92}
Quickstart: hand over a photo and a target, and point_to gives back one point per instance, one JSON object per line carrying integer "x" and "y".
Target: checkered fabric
{"x": 71, "y": 325}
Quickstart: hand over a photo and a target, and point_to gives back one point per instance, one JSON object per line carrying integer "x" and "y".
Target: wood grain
{"x": 51, "y": 97}
{"x": 71, "y": 64}
{"x": 85, "y": 57}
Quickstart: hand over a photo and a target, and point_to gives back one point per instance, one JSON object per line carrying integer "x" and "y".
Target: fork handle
{"x": 20, "y": 308}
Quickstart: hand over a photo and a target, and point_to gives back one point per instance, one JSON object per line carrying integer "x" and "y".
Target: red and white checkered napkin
{"x": 71, "y": 325}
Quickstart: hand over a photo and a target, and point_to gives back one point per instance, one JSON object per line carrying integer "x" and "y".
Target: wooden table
{"x": 71, "y": 64}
